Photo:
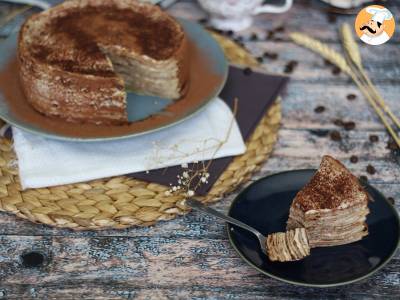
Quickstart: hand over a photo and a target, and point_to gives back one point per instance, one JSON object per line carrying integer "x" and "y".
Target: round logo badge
{"x": 375, "y": 25}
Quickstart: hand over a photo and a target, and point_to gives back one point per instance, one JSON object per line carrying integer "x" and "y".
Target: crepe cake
{"x": 78, "y": 58}
{"x": 288, "y": 246}
{"x": 332, "y": 207}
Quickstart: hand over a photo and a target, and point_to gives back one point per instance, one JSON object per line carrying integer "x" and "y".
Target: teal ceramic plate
{"x": 265, "y": 204}
{"x": 139, "y": 107}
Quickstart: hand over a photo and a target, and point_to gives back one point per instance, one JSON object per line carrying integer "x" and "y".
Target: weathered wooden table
{"x": 190, "y": 257}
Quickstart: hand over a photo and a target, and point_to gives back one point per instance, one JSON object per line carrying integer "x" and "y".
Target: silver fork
{"x": 197, "y": 205}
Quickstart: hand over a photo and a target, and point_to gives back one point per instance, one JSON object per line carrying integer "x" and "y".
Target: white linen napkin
{"x": 43, "y": 162}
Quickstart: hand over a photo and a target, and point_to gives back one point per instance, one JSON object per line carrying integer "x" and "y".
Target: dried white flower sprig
{"x": 193, "y": 177}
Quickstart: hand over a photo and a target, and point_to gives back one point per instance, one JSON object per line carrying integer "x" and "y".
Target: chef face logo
{"x": 375, "y": 25}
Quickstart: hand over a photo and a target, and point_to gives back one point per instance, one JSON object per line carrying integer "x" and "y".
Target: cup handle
{"x": 273, "y": 9}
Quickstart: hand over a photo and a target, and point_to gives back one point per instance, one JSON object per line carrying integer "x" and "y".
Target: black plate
{"x": 265, "y": 206}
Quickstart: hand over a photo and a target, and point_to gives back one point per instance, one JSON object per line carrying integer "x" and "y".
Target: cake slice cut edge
{"x": 332, "y": 207}
{"x": 78, "y": 58}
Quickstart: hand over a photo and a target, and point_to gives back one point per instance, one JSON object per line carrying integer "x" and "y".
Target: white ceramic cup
{"x": 238, "y": 15}
{"x": 345, "y": 4}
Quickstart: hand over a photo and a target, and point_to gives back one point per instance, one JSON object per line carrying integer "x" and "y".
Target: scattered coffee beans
{"x": 319, "y": 109}
{"x": 270, "y": 55}
{"x": 335, "y": 136}
{"x": 351, "y": 97}
{"x": 247, "y": 71}
{"x": 392, "y": 145}
{"x": 353, "y": 159}
{"x": 371, "y": 170}
{"x": 349, "y": 125}
{"x": 270, "y": 35}
{"x": 260, "y": 59}
{"x": 290, "y": 66}
{"x": 373, "y": 138}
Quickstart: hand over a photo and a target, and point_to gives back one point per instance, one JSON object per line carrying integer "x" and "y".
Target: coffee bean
{"x": 288, "y": 69}
{"x": 247, "y": 71}
{"x": 270, "y": 55}
{"x": 229, "y": 33}
{"x": 280, "y": 29}
{"x": 351, "y": 97}
{"x": 392, "y": 145}
{"x": 391, "y": 200}
{"x": 327, "y": 62}
{"x": 254, "y": 37}
{"x": 353, "y": 159}
{"x": 290, "y": 66}
{"x": 260, "y": 59}
{"x": 335, "y": 136}
{"x": 363, "y": 179}
{"x": 319, "y": 109}
{"x": 349, "y": 125}
{"x": 336, "y": 70}
{"x": 371, "y": 170}
{"x": 373, "y": 138}
{"x": 338, "y": 122}
{"x": 270, "y": 35}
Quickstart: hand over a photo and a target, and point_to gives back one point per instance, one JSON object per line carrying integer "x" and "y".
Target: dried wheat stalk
{"x": 354, "y": 57}
{"x": 350, "y": 45}
{"x": 322, "y": 49}
{"x": 337, "y": 59}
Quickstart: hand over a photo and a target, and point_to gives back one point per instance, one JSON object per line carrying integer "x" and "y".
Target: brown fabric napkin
{"x": 256, "y": 92}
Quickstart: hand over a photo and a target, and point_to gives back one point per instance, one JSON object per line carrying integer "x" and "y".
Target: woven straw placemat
{"x": 120, "y": 202}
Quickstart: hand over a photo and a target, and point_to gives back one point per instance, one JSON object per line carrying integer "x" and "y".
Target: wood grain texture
{"x": 190, "y": 257}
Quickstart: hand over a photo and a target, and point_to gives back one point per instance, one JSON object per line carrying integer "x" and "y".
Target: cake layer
{"x": 77, "y": 58}
{"x": 338, "y": 218}
{"x": 288, "y": 246}
{"x": 339, "y": 241}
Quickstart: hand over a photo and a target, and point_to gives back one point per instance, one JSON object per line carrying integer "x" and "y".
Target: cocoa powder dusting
{"x": 202, "y": 80}
{"x": 85, "y": 28}
{"x": 327, "y": 190}
{"x": 321, "y": 194}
